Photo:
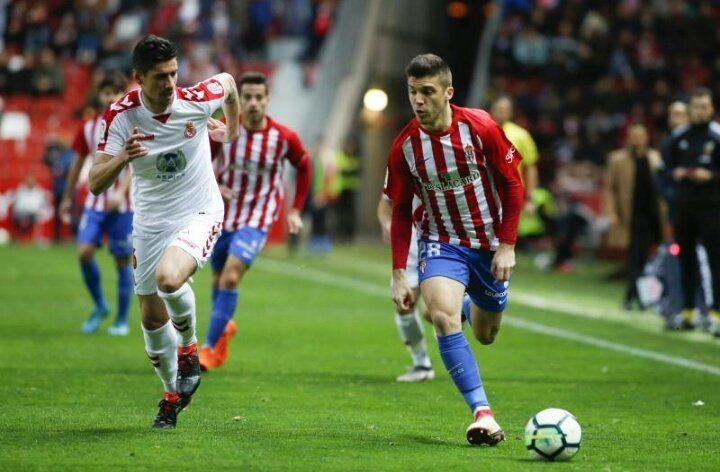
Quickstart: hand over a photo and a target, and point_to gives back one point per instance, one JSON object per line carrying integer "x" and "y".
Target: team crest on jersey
{"x": 470, "y": 153}
{"x": 422, "y": 266}
{"x": 190, "y": 130}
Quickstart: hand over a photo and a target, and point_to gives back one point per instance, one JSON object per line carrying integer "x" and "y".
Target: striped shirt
{"x": 466, "y": 177}
{"x": 253, "y": 167}
{"x": 85, "y": 144}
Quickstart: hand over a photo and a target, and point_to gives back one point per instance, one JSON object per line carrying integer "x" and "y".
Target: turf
{"x": 309, "y": 385}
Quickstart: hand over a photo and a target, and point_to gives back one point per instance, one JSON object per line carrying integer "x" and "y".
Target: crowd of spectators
{"x": 583, "y": 71}
{"x": 37, "y": 36}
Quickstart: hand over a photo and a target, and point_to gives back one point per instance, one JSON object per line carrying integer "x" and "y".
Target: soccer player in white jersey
{"x": 408, "y": 322}
{"x": 251, "y": 181}
{"x": 109, "y": 213}
{"x": 162, "y": 130}
{"x": 463, "y": 168}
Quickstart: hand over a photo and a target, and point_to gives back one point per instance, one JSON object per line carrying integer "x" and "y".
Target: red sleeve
{"x": 503, "y": 162}
{"x": 299, "y": 158}
{"x": 79, "y": 144}
{"x": 400, "y": 188}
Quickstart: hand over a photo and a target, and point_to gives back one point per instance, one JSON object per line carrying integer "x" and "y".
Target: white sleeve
{"x": 207, "y": 94}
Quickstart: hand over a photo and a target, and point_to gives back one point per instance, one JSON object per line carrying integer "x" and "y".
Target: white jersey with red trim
{"x": 253, "y": 167}
{"x": 175, "y": 180}
{"x": 85, "y": 144}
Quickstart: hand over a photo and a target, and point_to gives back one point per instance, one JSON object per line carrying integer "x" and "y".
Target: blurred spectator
{"x": 632, "y": 205}
{"x": 348, "y": 168}
{"x": 319, "y": 27}
{"x": 58, "y": 157}
{"x": 28, "y": 203}
{"x": 47, "y": 77}
{"x": 13, "y": 124}
{"x": 324, "y": 193}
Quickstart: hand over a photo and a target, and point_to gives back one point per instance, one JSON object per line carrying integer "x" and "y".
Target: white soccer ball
{"x": 553, "y": 435}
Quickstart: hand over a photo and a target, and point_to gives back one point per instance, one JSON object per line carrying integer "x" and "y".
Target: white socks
{"x": 161, "y": 348}
{"x": 411, "y": 332}
{"x": 181, "y": 308}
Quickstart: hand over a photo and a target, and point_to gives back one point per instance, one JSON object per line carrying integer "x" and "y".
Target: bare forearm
{"x": 384, "y": 212}
{"x": 103, "y": 174}
{"x": 231, "y": 106}
{"x": 530, "y": 177}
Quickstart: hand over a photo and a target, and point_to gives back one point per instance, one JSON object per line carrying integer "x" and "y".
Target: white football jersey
{"x": 175, "y": 180}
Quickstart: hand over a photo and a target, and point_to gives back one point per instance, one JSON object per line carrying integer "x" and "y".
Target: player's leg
{"x": 217, "y": 262}
{"x": 88, "y": 238}
{"x": 246, "y": 245}
{"x": 411, "y": 330}
{"x": 119, "y": 231}
{"x": 685, "y": 235}
{"x": 710, "y": 236}
{"x": 161, "y": 349}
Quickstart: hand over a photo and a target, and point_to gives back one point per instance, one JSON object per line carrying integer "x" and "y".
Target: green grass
{"x": 309, "y": 385}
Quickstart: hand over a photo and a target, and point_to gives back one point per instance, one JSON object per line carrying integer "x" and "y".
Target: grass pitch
{"x": 310, "y": 381}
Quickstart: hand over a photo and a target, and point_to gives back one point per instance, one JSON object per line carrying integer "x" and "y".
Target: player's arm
{"x": 118, "y": 196}
{"x": 106, "y": 168}
{"x": 384, "y": 215}
{"x": 300, "y": 159}
{"x": 228, "y": 131}
{"x": 504, "y": 160}
{"x": 400, "y": 190}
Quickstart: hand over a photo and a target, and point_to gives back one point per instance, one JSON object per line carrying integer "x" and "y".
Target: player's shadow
{"x": 435, "y": 442}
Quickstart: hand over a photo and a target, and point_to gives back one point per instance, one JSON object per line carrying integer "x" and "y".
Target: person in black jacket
{"x": 692, "y": 159}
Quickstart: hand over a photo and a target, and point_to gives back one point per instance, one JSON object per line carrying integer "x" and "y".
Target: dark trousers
{"x": 643, "y": 235}
{"x": 345, "y": 216}
{"x": 695, "y": 223}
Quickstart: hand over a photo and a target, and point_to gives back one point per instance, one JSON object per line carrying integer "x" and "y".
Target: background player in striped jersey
{"x": 109, "y": 213}
{"x": 162, "y": 131}
{"x": 251, "y": 182}
{"x": 464, "y": 169}
{"x": 408, "y": 321}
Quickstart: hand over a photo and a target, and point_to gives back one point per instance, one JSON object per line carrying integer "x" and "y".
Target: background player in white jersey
{"x": 162, "y": 131}
{"x": 252, "y": 186}
{"x": 109, "y": 213}
{"x": 407, "y": 320}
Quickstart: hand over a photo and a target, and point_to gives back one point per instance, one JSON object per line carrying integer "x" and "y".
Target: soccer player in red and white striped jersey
{"x": 251, "y": 182}
{"x": 108, "y": 213}
{"x": 465, "y": 171}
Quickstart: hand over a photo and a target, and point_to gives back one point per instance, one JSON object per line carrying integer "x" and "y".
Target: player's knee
{"x": 169, "y": 281}
{"x": 229, "y": 280}
{"x": 486, "y": 336}
{"x": 85, "y": 253}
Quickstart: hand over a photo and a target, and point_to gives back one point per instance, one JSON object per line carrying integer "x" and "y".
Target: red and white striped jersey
{"x": 253, "y": 167}
{"x": 467, "y": 178}
{"x": 85, "y": 144}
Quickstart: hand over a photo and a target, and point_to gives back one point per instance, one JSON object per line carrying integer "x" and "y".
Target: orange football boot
{"x": 208, "y": 358}
{"x": 223, "y": 344}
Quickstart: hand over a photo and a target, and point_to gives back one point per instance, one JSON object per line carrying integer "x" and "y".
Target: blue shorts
{"x": 118, "y": 227}
{"x": 245, "y": 244}
{"x": 470, "y": 267}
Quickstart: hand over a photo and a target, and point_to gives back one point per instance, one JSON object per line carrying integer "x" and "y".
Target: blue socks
{"x": 223, "y": 310}
{"x": 462, "y": 367}
{"x": 124, "y": 290}
{"x": 91, "y": 276}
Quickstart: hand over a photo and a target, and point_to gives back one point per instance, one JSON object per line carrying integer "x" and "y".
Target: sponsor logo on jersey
{"x": 215, "y": 87}
{"x": 510, "y": 154}
{"x": 171, "y": 165}
{"x": 190, "y": 130}
{"x": 492, "y": 294}
{"x": 449, "y": 181}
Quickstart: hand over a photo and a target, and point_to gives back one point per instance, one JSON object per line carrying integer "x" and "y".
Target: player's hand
{"x": 679, "y": 174}
{"x": 65, "y": 210}
{"x": 227, "y": 193}
{"x": 529, "y": 208}
{"x": 700, "y": 174}
{"x": 402, "y": 294}
{"x": 113, "y": 202}
{"x": 386, "y": 232}
{"x": 295, "y": 222}
{"x": 134, "y": 147}
{"x": 503, "y": 262}
{"x": 218, "y": 131}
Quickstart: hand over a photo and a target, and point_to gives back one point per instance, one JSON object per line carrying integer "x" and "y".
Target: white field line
{"x": 368, "y": 288}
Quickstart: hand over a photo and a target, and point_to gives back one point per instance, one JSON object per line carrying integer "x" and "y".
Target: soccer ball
{"x": 553, "y": 435}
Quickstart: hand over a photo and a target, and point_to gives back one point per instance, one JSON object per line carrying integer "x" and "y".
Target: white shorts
{"x": 196, "y": 236}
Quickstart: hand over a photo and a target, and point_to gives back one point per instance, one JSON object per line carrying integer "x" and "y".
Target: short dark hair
{"x": 429, "y": 65}
{"x": 114, "y": 80}
{"x": 152, "y": 50}
{"x": 701, "y": 92}
{"x": 252, "y": 77}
